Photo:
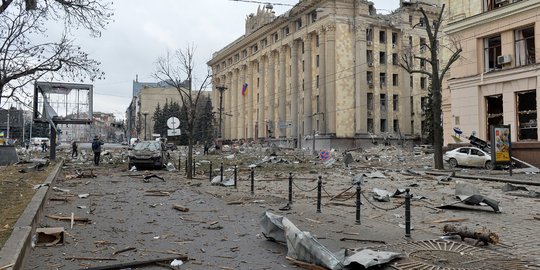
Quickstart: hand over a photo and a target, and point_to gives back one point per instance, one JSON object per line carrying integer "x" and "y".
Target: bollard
{"x": 319, "y": 189}
{"x": 358, "y": 203}
{"x": 221, "y": 172}
{"x": 290, "y": 188}
{"x": 235, "y": 174}
{"x": 252, "y": 181}
{"x": 210, "y": 171}
{"x": 407, "y": 213}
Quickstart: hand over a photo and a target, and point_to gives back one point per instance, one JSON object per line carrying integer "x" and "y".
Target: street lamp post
{"x": 221, "y": 89}
{"x": 145, "y": 113}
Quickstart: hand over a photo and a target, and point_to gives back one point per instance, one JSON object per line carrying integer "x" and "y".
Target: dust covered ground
{"x": 221, "y": 229}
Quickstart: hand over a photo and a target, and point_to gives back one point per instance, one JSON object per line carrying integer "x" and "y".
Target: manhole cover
{"x": 443, "y": 254}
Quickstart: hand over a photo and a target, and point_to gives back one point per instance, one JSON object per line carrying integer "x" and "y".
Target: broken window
{"x": 526, "y": 113}
{"x": 395, "y": 60}
{"x": 421, "y": 22}
{"x": 492, "y": 50}
{"x": 370, "y": 101}
{"x": 369, "y": 56}
{"x": 369, "y": 75}
{"x": 382, "y": 78}
{"x": 383, "y": 125}
{"x": 423, "y": 82}
{"x": 395, "y": 103}
{"x": 494, "y": 108}
{"x": 382, "y": 36}
{"x": 422, "y": 64}
{"x": 424, "y": 102}
{"x": 395, "y": 80}
{"x": 383, "y": 102}
{"x": 423, "y": 46}
{"x": 396, "y": 126}
{"x": 394, "y": 39}
{"x": 370, "y": 125}
{"x": 369, "y": 34}
{"x": 525, "y": 53}
{"x": 298, "y": 24}
{"x": 382, "y": 58}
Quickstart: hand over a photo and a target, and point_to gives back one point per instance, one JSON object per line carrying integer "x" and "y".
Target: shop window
{"x": 494, "y": 108}
{"x": 526, "y": 114}
{"x": 383, "y": 125}
{"x": 492, "y": 50}
{"x": 525, "y": 52}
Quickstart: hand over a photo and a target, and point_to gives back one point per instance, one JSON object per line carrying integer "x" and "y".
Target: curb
{"x": 14, "y": 250}
{"x": 487, "y": 178}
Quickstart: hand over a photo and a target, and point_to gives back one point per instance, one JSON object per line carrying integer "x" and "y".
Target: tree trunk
{"x": 190, "y": 156}
{"x": 437, "y": 111}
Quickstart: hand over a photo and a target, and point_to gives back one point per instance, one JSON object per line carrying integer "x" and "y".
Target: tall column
{"x": 242, "y": 112}
{"x": 282, "y": 92}
{"x": 271, "y": 92}
{"x": 295, "y": 91}
{"x": 233, "y": 91}
{"x": 331, "y": 79}
{"x": 228, "y": 106}
{"x": 322, "y": 81}
{"x": 250, "y": 99}
{"x": 308, "y": 82}
{"x": 262, "y": 93}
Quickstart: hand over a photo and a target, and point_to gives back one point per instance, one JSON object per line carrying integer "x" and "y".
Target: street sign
{"x": 174, "y": 132}
{"x": 173, "y": 122}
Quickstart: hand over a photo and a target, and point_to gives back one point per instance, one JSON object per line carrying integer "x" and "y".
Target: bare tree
{"x": 27, "y": 50}
{"x": 177, "y": 71}
{"x": 436, "y": 75}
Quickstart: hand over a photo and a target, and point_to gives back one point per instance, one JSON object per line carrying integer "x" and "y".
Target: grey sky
{"x": 142, "y": 31}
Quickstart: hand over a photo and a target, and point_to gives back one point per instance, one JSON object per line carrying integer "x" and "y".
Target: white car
{"x": 469, "y": 157}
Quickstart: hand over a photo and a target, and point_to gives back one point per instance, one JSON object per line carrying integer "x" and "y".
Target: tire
{"x": 489, "y": 165}
{"x": 453, "y": 163}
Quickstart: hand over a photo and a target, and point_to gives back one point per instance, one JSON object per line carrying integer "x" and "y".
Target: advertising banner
{"x": 501, "y": 144}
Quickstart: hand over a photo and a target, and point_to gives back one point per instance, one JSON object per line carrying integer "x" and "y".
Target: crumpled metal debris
{"x": 382, "y": 195}
{"x": 226, "y": 181}
{"x": 304, "y": 247}
{"x": 469, "y": 194}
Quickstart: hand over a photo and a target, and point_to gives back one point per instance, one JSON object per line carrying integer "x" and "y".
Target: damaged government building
{"x": 325, "y": 67}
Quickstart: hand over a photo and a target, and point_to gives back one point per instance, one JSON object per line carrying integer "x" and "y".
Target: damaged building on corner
{"x": 497, "y": 77}
{"x": 325, "y": 67}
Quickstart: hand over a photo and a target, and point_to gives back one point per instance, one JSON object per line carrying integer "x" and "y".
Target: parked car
{"x": 469, "y": 157}
{"x": 148, "y": 154}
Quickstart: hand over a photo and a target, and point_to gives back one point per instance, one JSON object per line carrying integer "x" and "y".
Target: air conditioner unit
{"x": 369, "y": 42}
{"x": 498, "y": 2}
{"x": 370, "y": 64}
{"x": 504, "y": 59}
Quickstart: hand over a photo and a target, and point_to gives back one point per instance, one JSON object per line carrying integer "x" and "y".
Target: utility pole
{"x": 221, "y": 89}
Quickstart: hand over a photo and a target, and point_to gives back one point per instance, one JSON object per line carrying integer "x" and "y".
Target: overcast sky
{"x": 144, "y": 30}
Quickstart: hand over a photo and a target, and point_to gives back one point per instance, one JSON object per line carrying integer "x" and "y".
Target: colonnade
{"x": 280, "y": 100}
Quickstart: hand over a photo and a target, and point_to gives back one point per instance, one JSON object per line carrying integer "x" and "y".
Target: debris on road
{"x": 180, "y": 208}
{"x": 79, "y": 219}
{"x": 484, "y": 235}
{"x": 47, "y": 237}
{"x": 469, "y": 195}
{"x": 304, "y": 247}
{"x": 150, "y": 176}
{"x": 124, "y": 250}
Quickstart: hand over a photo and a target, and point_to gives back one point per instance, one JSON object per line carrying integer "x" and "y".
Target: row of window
{"x": 524, "y": 50}
{"x": 395, "y": 80}
{"x": 382, "y": 98}
{"x": 383, "y": 125}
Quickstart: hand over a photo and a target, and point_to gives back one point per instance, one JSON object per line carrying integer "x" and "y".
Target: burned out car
{"x": 468, "y": 157}
{"x": 148, "y": 154}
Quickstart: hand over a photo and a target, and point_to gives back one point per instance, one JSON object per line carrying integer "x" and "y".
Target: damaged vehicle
{"x": 469, "y": 157}
{"x": 148, "y": 154}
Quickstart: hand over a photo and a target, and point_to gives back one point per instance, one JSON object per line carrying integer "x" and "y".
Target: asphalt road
{"x": 213, "y": 235}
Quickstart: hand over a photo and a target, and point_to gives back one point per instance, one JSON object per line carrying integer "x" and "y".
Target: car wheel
{"x": 489, "y": 165}
{"x": 453, "y": 163}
